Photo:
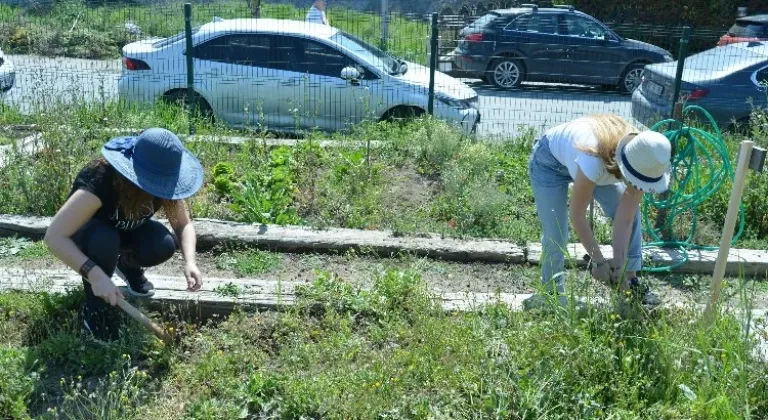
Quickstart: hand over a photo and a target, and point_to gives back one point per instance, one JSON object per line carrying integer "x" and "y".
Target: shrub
{"x": 16, "y": 383}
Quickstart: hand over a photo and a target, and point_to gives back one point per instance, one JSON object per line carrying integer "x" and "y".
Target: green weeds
{"x": 387, "y": 351}
{"x": 248, "y": 262}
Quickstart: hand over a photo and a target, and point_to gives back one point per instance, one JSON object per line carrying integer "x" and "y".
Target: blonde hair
{"x": 610, "y": 130}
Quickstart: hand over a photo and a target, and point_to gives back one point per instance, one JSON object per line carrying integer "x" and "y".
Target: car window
{"x": 316, "y": 58}
{"x": 747, "y": 29}
{"x": 246, "y": 50}
{"x": 285, "y": 53}
{"x": 574, "y": 25}
{"x": 537, "y": 23}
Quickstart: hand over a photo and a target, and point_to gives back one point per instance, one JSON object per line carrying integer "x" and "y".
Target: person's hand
{"x": 601, "y": 271}
{"x": 103, "y": 286}
{"x": 194, "y": 277}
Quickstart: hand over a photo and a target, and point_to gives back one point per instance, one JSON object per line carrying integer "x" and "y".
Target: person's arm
{"x": 185, "y": 231}
{"x": 622, "y": 225}
{"x": 75, "y": 212}
{"x": 581, "y": 195}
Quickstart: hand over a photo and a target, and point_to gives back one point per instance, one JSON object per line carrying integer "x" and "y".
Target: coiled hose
{"x": 701, "y": 166}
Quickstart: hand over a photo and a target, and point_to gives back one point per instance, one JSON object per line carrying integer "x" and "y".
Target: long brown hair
{"x": 132, "y": 199}
{"x": 610, "y": 130}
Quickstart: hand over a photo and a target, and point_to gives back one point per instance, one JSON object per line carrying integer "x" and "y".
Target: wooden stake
{"x": 745, "y": 153}
{"x": 143, "y": 320}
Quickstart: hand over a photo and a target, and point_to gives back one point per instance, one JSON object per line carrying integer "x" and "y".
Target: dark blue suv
{"x": 555, "y": 45}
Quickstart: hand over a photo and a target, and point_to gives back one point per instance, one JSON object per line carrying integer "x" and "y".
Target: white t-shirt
{"x": 316, "y": 15}
{"x": 563, "y": 142}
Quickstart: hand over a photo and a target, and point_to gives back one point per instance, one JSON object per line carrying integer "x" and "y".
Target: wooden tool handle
{"x": 143, "y": 320}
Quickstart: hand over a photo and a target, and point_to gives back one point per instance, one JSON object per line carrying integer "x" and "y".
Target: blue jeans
{"x": 550, "y": 180}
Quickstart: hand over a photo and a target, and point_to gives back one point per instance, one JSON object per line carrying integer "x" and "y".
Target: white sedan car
{"x": 287, "y": 75}
{"x": 7, "y": 73}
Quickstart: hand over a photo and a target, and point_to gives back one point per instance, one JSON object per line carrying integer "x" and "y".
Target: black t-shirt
{"x": 100, "y": 181}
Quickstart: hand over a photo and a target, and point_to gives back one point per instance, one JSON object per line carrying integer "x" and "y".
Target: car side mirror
{"x": 350, "y": 74}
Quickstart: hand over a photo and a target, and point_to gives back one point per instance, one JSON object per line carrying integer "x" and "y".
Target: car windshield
{"x": 367, "y": 52}
{"x": 747, "y": 29}
{"x": 483, "y": 21}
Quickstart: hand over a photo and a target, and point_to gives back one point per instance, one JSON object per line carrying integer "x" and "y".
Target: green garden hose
{"x": 701, "y": 166}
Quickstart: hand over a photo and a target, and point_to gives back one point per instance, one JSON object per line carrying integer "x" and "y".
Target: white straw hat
{"x": 645, "y": 161}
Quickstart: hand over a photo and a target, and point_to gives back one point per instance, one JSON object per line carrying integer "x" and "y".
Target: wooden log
{"x": 386, "y": 244}
{"x": 300, "y": 239}
{"x": 747, "y": 262}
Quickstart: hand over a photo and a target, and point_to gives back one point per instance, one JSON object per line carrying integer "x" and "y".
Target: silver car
{"x": 729, "y": 82}
{"x": 290, "y": 75}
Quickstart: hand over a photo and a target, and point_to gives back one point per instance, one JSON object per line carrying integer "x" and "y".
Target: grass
{"x": 383, "y": 352}
{"x": 248, "y": 262}
{"x": 426, "y": 177}
{"x": 72, "y": 29}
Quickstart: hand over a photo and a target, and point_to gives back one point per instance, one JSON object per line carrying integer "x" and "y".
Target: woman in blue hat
{"x": 107, "y": 224}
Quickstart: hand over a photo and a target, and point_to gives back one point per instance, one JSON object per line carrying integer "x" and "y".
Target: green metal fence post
{"x": 677, "y": 114}
{"x": 432, "y": 64}
{"x": 190, "y": 65}
{"x": 680, "y": 65}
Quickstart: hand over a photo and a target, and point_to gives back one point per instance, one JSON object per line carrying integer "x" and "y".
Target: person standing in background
{"x": 316, "y": 13}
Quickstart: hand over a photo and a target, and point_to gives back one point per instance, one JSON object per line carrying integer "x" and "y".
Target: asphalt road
{"x": 46, "y": 81}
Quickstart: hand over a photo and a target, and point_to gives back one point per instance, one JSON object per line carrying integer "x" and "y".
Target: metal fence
{"x": 498, "y": 73}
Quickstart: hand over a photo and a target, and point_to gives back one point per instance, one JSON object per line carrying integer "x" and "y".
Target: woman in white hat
{"x": 607, "y": 159}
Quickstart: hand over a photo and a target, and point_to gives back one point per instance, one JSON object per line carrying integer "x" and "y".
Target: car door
{"x": 535, "y": 36}
{"x": 594, "y": 56}
{"x": 327, "y": 101}
{"x": 234, "y": 70}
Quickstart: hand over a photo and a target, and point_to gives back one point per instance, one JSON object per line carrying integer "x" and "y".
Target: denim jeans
{"x": 550, "y": 180}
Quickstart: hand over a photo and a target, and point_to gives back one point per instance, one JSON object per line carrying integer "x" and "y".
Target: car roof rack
{"x": 535, "y": 7}
{"x": 568, "y": 7}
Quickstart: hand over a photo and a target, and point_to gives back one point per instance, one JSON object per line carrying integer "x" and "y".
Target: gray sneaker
{"x": 539, "y": 301}
{"x": 643, "y": 294}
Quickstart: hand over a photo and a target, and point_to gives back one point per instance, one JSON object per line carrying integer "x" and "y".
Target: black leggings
{"x": 149, "y": 245}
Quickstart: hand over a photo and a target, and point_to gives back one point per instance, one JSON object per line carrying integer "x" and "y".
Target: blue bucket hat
{"x": 157, "y": 162}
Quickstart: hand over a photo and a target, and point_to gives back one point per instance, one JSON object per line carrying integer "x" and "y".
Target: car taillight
{"x": 697, "y": 94}
{"x": 134, "y": 64}
{"x": 474, "y": 38}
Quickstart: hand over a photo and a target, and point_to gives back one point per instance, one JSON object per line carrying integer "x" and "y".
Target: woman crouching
{"x": 108, "y": 223}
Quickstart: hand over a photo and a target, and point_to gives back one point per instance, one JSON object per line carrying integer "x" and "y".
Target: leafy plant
{"x": 266, "y": 194}
{"x": 17, "y": 382}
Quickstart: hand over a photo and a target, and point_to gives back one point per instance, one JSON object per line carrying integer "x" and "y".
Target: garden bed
{"x": 421, "y": 178}
{"x": 386, "y": 351}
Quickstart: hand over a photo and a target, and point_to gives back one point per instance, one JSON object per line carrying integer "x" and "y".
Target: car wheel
{"x": 402, "y": 114}
{"x": 180, "y": 97}
{"x": 506, "y": 73}
{"x": 632, "y": 78}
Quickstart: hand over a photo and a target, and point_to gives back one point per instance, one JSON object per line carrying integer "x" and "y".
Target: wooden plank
{"x": 301, "y": 239}
{"x": 746, "y": 262}
{"x": 171, "y": 296}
